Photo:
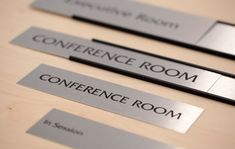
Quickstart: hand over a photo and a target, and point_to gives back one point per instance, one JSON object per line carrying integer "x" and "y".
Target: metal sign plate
{"x": 121, "y": 59}
{"x": 130, "y": 62}
{"x": 112, "y": 97}
{"x": 81, "y": 133}
{"x": 135, "y": 16}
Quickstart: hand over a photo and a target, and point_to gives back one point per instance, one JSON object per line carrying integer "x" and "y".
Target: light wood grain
{"x": 21, "y": 107}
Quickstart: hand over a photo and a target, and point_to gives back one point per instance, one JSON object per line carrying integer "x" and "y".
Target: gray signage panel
{"x": 114, "y": 98}
{"x": 118, "y": 58}
{"x": 136, "y": 16}
{"x": 130, "y": 62}
{"x": 81, "y": 133}
{"x": 167, "y": 25}
{"x": 220, "y": 38}
{"x": 225, "y": 87}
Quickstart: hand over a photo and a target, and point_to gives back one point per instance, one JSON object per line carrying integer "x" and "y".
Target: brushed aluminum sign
{"x": 81, "y": 133}
{"x": 67, "y": 46}
{"x": 135, "y": 16}
{"x": 187, "y": 30}
{"x": 113, "y": 98}
{"x": 129, "y": 62}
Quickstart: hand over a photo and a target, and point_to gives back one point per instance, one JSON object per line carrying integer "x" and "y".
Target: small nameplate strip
{"x": 174, "y": 27}
{"x": 114, "y": 98}
{"x": 128, "y": 62}
{"x": 81, "y": 133}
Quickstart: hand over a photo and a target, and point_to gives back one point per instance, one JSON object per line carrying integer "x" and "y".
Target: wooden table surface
{"x": 22, "y": 107}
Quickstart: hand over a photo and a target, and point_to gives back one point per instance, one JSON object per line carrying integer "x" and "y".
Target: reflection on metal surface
{"x": 224, "y": 87}
{"x": 220, "y": 38}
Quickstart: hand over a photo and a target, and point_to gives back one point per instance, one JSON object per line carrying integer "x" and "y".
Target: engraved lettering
{"x": 84, "y": 88}
{"x": 178, "y": 115}
{"x": 168, "y": 71}
{"x": 187, "y": 77}
{"x": 158, "y": 22}
{"x": 156, "y": 109}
